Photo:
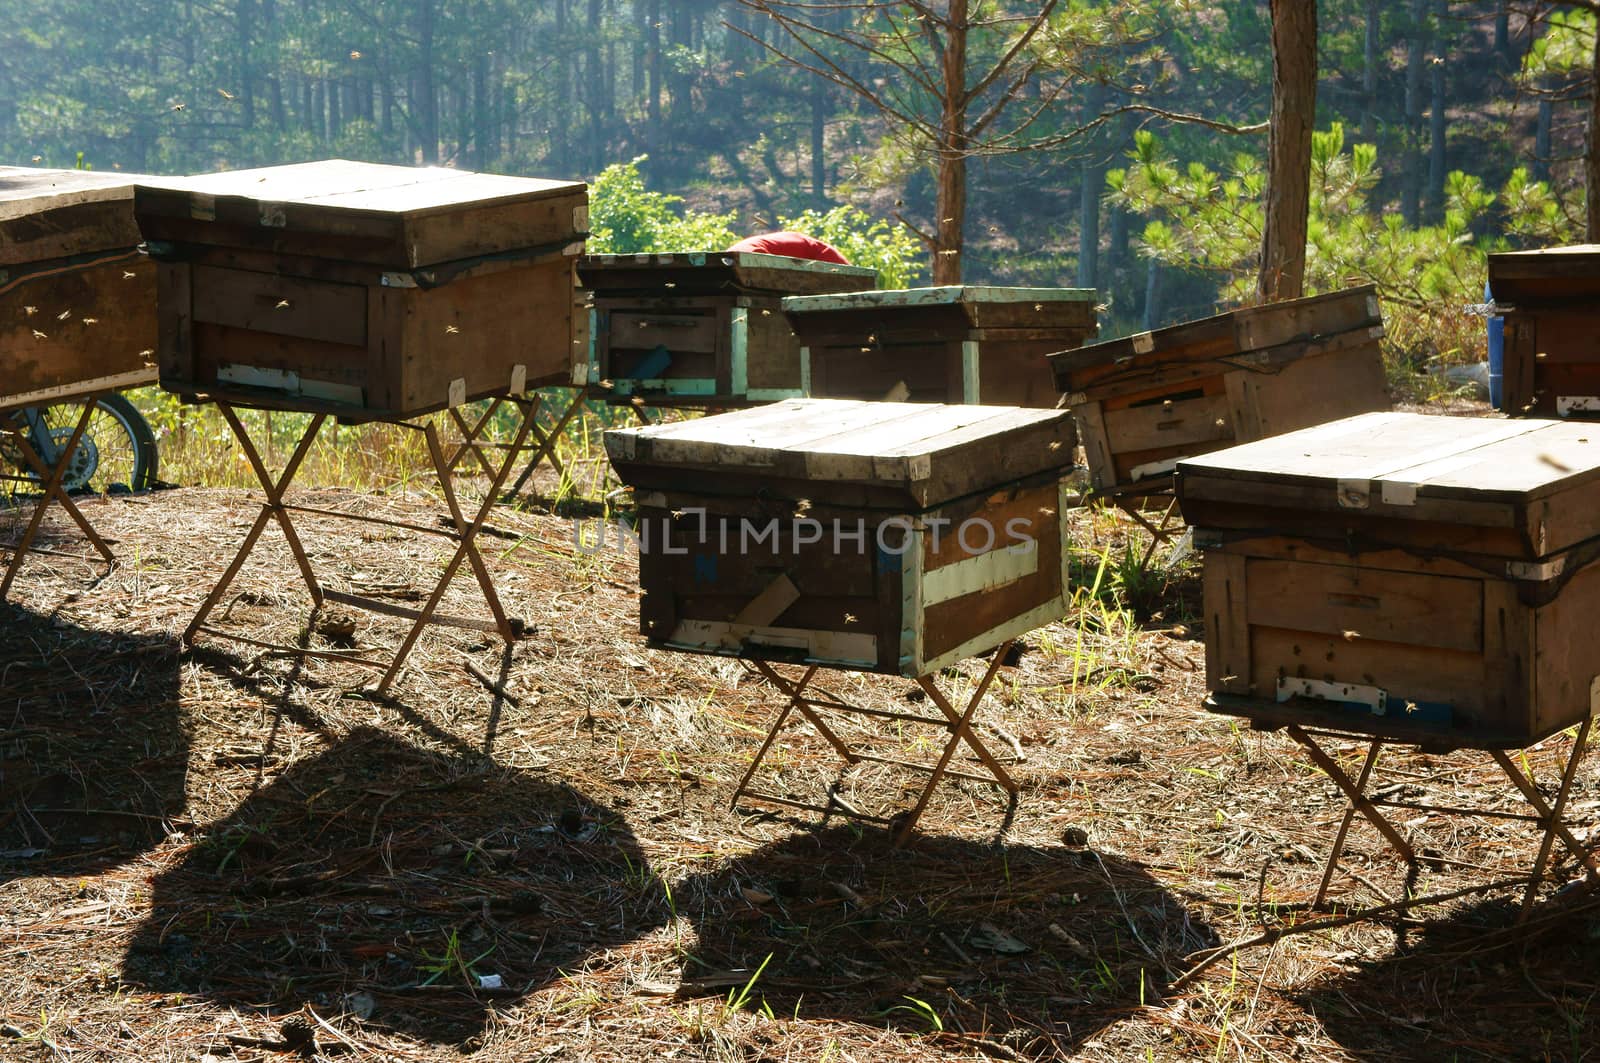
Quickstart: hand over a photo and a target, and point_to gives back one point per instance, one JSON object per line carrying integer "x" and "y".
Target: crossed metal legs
{"x": 958, "y": 724}
{"x": 462, "y": 530}
{"x": 51, "y": 479}
{"x": 1548, "y": 815}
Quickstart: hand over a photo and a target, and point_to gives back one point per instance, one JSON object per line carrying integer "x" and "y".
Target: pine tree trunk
{"x": 592, "y": 81}
{"x": 819, "y": 138}
{"x": 559, "y": 122}
{"x": 1152, "y": 295}
{"x": 950, "y": 206}
{"x": 1091, "y": 183}
{"x": 1369, "y": 72}
{"x": 653, "y": 40}
{"x": 1436, "y": 119}
{"x": 1294, "y": 108}
{"x": 427, "y": 97}
{"x": 1591, "y": 154}
{"x": 1541, "y": 132}
{"x": 1411, "y": 189}
{"x": 247, "y": 35}
{"x": 482, "y": 134}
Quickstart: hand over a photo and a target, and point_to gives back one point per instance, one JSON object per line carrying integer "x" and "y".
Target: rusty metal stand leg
{"x": 51, "y": 479}
{"x": 958, "y": 724}
{"x": 1371, "y": 762}
{"x": 546, "y": 443}
{"x": 469, "y": 436}
{"x": 272, "y": 508}
{"x": 1550, "y": 815}
{"x": 795, "y": 690}
{"x": 960, "y": 732}
{"x": 1354, "y": 792}
{"x": 466, "y": 546}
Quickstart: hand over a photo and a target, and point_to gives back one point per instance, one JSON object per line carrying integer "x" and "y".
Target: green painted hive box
{"x": 886, "y": 537}
{"x": 700, "y": 328}
{"x": 953, "y": 344}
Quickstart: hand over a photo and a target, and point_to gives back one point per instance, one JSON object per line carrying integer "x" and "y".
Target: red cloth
{"x": 794, "y": 245}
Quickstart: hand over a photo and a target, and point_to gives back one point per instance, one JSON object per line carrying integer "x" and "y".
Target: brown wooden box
{"x": 360, "y": 289}
{"x": 77, "y": 300}
{"x": 1145, "y": 401}
{"x": 952, "y": 344}
{"x": 1414, "y": 577}
{"x": 1552, "y": 348}
{"x": 894, "y": 538}
{"x": 701, "y": 328}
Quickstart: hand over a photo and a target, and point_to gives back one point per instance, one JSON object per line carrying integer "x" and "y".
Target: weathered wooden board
{"x": 1521, "y": 489}
{"x": 701, "y": 329}
{"x": 47, "y": 215}
{"x": 888, "y": 455}
{"x": 895, "y": 538}
{"x": 77, "y": 300}
{"x": 1552, "y": 349}
{"x": 397, "y": 217}
{"x": 364, "y": 290}
{"x": 969, "y": 344}
{"x": 1429, "y": 578}
{"x": 1145, "y": 401}
{"x": 1450, "y": 660}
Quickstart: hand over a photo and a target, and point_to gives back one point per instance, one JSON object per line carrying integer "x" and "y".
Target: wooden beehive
{"x": 1145, "y": 401}
{"x": 1552, "y": 349}
{"x": 1404, "y": 575}
{"x": 701, "y": 328}
{"x": 951, "y": 344}
{"x": 77, "y": 300}
{"x": 360, "y": 289}
{"x": 894, "y": 538}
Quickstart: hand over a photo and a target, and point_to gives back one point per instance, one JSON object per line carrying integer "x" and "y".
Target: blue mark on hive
{"x": 705, "y": 568}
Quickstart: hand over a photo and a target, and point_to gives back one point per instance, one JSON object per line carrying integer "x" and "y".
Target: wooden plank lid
{"x": 973, "y": 299}
{"x": 1537, "y": 477}
{"x": 401, "y": 216}
{"x": 1180, "y": 351}
{"x": 717, "y": 272}
{"x": 890, "y": 453}
{"x": 1549, "y": 274}
{"x": 47, "y": 214}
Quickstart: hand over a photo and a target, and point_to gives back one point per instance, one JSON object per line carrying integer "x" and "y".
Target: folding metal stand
{"x": 1548, "y": 816}
{"x": 958, "y": 723}
{"x": 543, "y": 443}
{"x": 462, "y": 531}
{"x": 50, "y": 484}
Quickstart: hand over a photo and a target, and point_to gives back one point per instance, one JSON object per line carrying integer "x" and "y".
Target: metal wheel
{"x": 117, "y": 452}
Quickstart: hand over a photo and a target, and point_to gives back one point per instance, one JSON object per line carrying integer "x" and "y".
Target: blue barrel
{"x": 1497, "y": 351}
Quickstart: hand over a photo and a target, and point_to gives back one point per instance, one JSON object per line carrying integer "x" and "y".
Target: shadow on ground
{"x": 1032, "y": 949}
{"x": 389, "y": 881}
{"x": 1473, "y": 985}
{"x": 96, "y": 747}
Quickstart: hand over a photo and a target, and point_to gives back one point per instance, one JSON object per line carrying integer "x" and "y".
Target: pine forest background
{"x": 1127, "y": 153}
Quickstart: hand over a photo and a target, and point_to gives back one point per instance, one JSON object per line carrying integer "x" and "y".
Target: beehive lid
{"x": 718, "y": 272}
{"x": 401, "y": 216}
{"x": 1251, "y": 336}
{"x": 982, "y": 306}
{"x": 871, "y": 453}
{"x": 1548, "y": 274}
{"x": 1536, "y": 477}
{"x": 47, "y": 214}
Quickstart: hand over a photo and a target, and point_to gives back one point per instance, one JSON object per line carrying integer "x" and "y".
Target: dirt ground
{"x": 226, "y": 853}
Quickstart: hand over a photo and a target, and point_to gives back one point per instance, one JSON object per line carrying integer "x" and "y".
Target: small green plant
{"x": 452, "y": 961}
{"x": 922, "y": 1010}
{"x": 737, "y": 999}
